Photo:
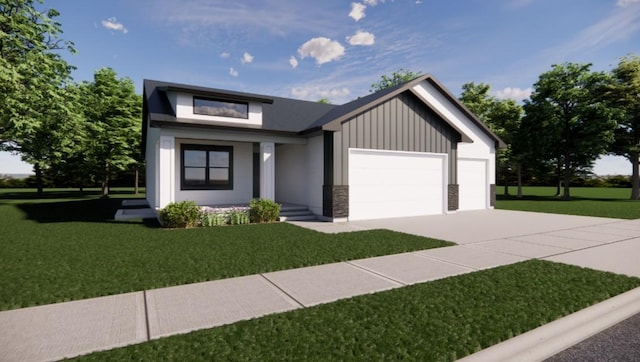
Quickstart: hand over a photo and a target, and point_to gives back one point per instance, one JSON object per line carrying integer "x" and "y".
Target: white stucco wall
{"x": 183, "y": 106}
{"x": 315, "y": 172}
{"x": 242, "y": 176}
{"x": 291, "y": 174}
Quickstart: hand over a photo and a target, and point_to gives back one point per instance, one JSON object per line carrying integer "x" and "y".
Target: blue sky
{"x": 337, "y": 49}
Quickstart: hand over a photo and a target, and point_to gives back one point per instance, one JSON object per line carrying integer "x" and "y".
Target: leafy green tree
{"x": 502, "y": 116}
{"x": 571, "y": 119}
{"x": 324, "y": 100}
{"x": 34, "y": 108}
{"x": 113, "y": 113}
{"x": 624, "y": 93}
{"x": 397, "y": 77}
{"x": 56, "y": 137}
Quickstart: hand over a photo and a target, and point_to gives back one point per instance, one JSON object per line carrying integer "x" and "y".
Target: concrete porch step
{"x": 295, "y": 213}
{"x": 135, "y": 209}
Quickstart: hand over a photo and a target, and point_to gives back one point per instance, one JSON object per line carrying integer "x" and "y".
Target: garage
{"x": 472, "y": 181}
{"x": 384, "y": 184}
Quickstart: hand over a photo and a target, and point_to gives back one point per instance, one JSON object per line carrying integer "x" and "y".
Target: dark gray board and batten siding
{"x": 402, "y": 123}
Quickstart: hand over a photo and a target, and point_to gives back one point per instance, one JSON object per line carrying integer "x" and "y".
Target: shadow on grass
{"x": 90, "y": 210}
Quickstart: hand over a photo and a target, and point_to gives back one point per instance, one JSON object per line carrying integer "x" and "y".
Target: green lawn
{"x": 66, "y": 246}
{"x": 63, "y": 248}
{"x": 588, "y": 201}
{"x": 436, "y": 321}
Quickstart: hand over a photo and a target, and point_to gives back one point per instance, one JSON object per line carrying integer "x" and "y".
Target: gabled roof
{"x": 332, "y": 120}
{"x": 296, "y": 116}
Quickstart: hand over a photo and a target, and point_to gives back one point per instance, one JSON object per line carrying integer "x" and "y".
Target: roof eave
{"x": 335, "y": 125}
{"x": 217, "y": 94}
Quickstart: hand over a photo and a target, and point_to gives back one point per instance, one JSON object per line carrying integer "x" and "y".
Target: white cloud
{"x": 113, "y": 24}
{"x": 517, "y": 94}
{"x": 314, "y": 93}
{"x": 322, "y": 49}
{"x": 357, "y": 11}
{"x": 625, "y": 3}
{"x": 361, "y": 38}
{"x": 246, "y": 58}
{"x": 224, "y": 55}
{"x": 233, "y": 72}
{"x": 372, "y": 2}
{"x": 294, "y": 62}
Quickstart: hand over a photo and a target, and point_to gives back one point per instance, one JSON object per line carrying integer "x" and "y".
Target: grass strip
{"x": 60, "y": 250}
{"x": 437, "y": 321}
{"x": 585, "y": 201}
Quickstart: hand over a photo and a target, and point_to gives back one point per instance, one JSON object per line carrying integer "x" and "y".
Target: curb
{"x": 552, "y": 338}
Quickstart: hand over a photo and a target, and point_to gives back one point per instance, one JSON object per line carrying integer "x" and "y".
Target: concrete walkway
{"x": 486, "y": 239}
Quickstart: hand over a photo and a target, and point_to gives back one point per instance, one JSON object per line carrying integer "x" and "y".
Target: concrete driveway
{"x": 593, "y": 242}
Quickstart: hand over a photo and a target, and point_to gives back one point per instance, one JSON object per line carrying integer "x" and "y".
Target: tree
{"x": 624, "y": 94}
{"x": 113, "y": 113}
{"x": 574, "y": 125}
{"x": 502, "y": 116}
{"x": 397, "y": 77}
{"x": 32, "y": 79}
{"x": 324, "y": 100}
{"x": 55, "y": 138}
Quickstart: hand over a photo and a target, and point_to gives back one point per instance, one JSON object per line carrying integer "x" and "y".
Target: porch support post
{"x": 166, "y": 171}
{"x": 267, "y": 170}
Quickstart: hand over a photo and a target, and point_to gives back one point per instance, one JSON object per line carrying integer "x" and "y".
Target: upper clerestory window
{"x": 212, "y": 107}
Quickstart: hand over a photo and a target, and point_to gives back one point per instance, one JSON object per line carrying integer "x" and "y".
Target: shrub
{"x": 209, "y": 219}
{"x": 11, "y": 182}
{"x": 263, "y": 210}
{"x": 184, "y": 214}
{"x": 238, "y": 217}
{"x": 217, "y": 217}
{"x": 623, "y": 181}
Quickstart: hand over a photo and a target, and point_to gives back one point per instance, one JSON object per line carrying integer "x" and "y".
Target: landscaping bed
{"x": 437, "y": 321}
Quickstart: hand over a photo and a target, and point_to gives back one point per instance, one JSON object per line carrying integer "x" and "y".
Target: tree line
{"x": 573, "y": 116}
{"x": 84, "y": 132}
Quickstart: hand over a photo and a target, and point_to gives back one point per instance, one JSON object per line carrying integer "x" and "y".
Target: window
{"x": 207, "y": 167}
{"x": 212, "y": 107}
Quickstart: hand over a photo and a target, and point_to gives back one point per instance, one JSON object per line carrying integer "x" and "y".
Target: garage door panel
{"x": 472, "y": 181}
{"x": 394, "y": 184}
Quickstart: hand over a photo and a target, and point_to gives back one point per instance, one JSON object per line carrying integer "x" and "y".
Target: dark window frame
{"x": 185, "y": 185}
{"x": 198, "y": 98}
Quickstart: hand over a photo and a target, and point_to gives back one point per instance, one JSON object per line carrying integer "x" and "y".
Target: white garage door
{"x": 472, "y": 181}
{"x": 384, "y": 184}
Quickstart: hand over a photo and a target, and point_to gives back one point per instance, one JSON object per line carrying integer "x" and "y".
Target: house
{"x": 412, "y": 149}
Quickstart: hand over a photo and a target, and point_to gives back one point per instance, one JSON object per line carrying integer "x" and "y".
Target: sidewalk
{"x": 69, "y": 329}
